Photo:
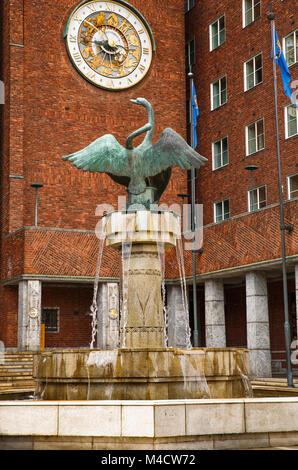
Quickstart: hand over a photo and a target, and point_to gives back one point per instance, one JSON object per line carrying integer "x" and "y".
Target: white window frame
{"x": 58, "y": 319}
{"x": 288, "y": 184}
{"x": 214, "y": 168}
{"x": 257, "y": 189}
{"x": 286, "y": 121}
{"x": 223, "y": 212}
{"x": 246, "y": 136}
{"x": 254, "y": 71}
{"x": 210, "y": 33}
{"x": 254, "y": 3}
{"x": 220, "y": 91}
{"x": 295, "y": 32}
{"x": 189, "y": 5}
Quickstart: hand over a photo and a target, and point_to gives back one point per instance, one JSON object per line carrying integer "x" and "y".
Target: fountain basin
{"x": 141, "y": 374}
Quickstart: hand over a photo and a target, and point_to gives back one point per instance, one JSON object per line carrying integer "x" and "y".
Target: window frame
{"x": 211, "y": 35}
{"x": 254, "y": 71}
{"x": 258, "y": 198}
{"x": 220, "y": 92}
{"x": 222, "y": 201}
{"x": 214, "y": 168}
{"x": 58, "y": 319}
{"x": 254, "y": 2}
{"x": 287, "y": 136}
{"x": 187, "y": 5}
{"x": 188, "y": 53}
{"x": 295, "y": 32}
{"x": 288, "y": 186}
{"x": 256, "y": 137}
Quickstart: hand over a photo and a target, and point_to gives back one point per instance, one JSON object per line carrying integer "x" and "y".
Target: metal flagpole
{"x": 196, "y": 332}
{"x": 287, "y": 329}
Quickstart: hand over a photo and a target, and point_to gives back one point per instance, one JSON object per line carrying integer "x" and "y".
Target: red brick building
{"x": 51, "y": 110}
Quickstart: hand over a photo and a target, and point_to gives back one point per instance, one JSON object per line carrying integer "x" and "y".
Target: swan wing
{"x": 169, "y": 151}
{"x": 104, "y": 155}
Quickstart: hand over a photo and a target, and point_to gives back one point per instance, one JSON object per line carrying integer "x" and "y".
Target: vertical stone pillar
{"x": 257, "y": 317}
{"x": 108, "y": 316}
{"x": 178, "y": 321}
{"x": 143, "y": 322}
{"x": 215, "y": 314}
{"x": 29, "y": 315}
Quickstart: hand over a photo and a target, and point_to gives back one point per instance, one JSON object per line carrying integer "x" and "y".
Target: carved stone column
{"x": 142, "y": 317}
{"x": 143, "y": 326}
{"x": 108, "y": 316}
{"x": 29, "y": 315}
{"x": 178, "y": 321}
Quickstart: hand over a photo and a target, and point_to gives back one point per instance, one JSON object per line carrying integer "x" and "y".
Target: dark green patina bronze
{"x": 144, "y": 170}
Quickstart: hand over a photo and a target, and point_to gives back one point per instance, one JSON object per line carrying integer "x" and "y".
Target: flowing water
{"x": 126, "y": 252}
{"x": 180, "y": 259}
{"x": 195, "y": 382}
{"x": 161, "y": 254}
{"x": 94, "y": 306}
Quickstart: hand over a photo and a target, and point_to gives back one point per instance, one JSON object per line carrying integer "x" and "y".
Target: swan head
{"x": 141, "y": 102}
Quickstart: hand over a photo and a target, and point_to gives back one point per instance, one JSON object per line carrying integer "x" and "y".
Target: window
{"x": 218, "y": 93}
{"x": 255, "y": 138}
{"x": 293, "y": 186}
{"x": 217, "y": 33}
{"x": 188, "y": 5}
{"x": 221, "y": 210}
{"x": 257, "y": 198}
{"x": 220, "y": 153}
{"x": 190, "y": 53}
{"x": 50, "y": 317}
{"x": 253, "y": 72}
{"x": 291, "y": 48}
{"x": 291, "y": 121}
{"x": 251, "y": 11}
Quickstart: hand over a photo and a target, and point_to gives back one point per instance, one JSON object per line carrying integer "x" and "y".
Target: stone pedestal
{"x": 29, "y": 315}
{"x": 142, "y": 325}
{"x": 108, "y": 316}
{"x": 140, "y": 232}
{"x": 215, "y": 314}
{"x": 257, "y": 317}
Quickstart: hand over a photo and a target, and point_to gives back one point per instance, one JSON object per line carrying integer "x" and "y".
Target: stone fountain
{"x": 143, "y": 367}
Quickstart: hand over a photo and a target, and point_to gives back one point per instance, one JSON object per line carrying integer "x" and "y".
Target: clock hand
{"x": 99, "y": 30}
{"x": 122, "y": 47}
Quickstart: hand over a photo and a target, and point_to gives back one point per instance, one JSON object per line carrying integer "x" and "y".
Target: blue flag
{"x": 195, "y": 114}
{"x": 281, "y": 62}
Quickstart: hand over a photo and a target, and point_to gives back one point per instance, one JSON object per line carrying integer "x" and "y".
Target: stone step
{"x": 17, "y": 375}
{"x": 15, "y": 366}
{"x": 18, "y": 357}
{"x": 16, "y": 381}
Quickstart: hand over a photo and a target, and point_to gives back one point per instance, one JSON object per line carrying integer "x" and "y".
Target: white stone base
{"x": 175, "y": 424}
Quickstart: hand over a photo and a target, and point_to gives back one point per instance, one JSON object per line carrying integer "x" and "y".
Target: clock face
{"x": 109, "y": 44}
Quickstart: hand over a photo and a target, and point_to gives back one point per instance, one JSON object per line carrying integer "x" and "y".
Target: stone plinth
{"x": 141, "y": 374}
{"x": 138, "y": 235}
{"x": 142, "y": 227}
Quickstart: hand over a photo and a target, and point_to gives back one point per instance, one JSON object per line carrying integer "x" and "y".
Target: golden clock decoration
{"x": 109, "y": 43}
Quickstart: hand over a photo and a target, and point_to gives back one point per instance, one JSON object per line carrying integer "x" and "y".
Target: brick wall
{"x": 74, "y": 315}
{"x": 233, "y": 181}
{"x": 52, "y": 111}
